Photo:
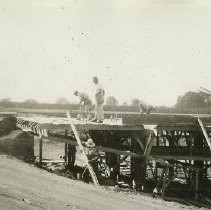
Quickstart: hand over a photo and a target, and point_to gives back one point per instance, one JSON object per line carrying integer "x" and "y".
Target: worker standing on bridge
{"x": 145, "y": 108}
{"x": 85, "y": 101}
{"x": 99, "y": 99}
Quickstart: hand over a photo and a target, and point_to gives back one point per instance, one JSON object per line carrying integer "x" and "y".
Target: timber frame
{"x": 177, "y": 143}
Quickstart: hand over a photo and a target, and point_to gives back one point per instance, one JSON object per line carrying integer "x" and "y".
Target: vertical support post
{"x": 138, "y": 166}
{"x": 131, "y": 163}
{"x": 197, "y": 184}
{"x": 172, "y": 143}
{"x": 156, "y": 164}
{"x": 40, "y": 149}
{"x": 199, "y": 164}
{"x": 112, "y": 159}
{"x": 34, "y": 157}
{"x": 158, "y": 187}
{"x": 166, "y": 172}
{"x": 65, "y": 153}
{"x": 66, "y": 148}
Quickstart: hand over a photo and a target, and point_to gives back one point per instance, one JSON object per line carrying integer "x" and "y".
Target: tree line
{"x": 110, "y": 101}
{"x": 190, "y": 100}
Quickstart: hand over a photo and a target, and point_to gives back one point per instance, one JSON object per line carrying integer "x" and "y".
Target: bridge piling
{"x": 40, "y": 149}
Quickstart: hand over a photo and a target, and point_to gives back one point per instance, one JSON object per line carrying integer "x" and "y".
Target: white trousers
{"x": 99, "y": 115}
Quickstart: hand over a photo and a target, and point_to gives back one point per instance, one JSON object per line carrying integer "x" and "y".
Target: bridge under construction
{"x": 159, "y": 147}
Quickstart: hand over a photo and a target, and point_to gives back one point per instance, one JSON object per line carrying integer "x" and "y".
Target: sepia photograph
{"x": 105, "y": 105}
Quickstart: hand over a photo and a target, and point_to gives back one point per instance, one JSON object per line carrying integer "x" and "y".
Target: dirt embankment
{"x": 7, "y": 124}
{"x": 23, "y": 186}
{"x": 19, "y": 144}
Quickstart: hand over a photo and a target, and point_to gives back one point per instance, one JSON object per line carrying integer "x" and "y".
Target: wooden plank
{"x": 96, "y": 127}
{"x": 164, "y": 121}
{"x": 205, "y": 133}
{"x": 140, "y": 143}
{"x": 178, "y": 157}
{"x": 157, "y": 118}
{"x": 180, "y": 151}
{"x": 93, "y": 175}
{"x": 119, "y": 152}
{"x": 178, "y": 127}
{"x": 80, "y": 125}
{"x": 53, "y": 161}
{"x": 149, "y": 145}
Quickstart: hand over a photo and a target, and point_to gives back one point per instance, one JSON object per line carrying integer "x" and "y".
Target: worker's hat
{"x": 90, "y": 143}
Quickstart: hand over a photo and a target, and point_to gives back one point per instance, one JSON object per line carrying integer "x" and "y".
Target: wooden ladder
{"x": 93, "y": 175}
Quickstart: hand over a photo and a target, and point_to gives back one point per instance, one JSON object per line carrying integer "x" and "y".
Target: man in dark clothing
{"x": 93, "y": 156}
{"x": 71, "y": 156}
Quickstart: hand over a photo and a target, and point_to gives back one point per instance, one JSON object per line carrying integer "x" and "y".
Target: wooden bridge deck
{"x": 127, "y": 121}
{"x": 131, "y": 122}
{"x": 62, "y": 123}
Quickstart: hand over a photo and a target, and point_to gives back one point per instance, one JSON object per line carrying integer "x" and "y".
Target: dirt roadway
{"x": 23, "y": 186}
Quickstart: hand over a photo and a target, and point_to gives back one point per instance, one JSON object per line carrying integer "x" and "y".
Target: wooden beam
{"x": 140, "y": 143}
{"x": 178, "y": 127}
{"x": 95, "y": 127}
{"x": 73, "y": 128}
{"x": 119, "y": 152}
{"x": 157, "y": 118}
{"x": 104, "y": 149}
{"x": 149, "y": 145}
{"x": 178, "y": 157}
{"x": 126, "y": 153}
{"x": 62, "y": 140}
{"x": 205, "y": 133}
{"x": 53, "y": 161}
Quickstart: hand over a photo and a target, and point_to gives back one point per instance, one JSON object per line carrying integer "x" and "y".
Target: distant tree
{"x": 111, "y": 101}
{"x": 208, "y": 102}
{"x": 6, "y": 100}
{"x": 179, "y": 100}
{"x": 125, "y": 104}
{"x": 31, "y": 101}
{"x": 62, "y": 101}
{"x": 135, "y": 102}
{"x": 191, "y": 100}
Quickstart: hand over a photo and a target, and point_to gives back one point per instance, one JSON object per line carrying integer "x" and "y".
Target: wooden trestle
{"x": 176, "y": 142}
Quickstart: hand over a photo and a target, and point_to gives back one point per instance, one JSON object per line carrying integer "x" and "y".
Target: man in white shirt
{"x": 99, "y": 98}
{"x": 85, "y": 101}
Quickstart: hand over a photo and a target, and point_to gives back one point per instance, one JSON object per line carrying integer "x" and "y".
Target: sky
{"x": 154, "y": 50}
